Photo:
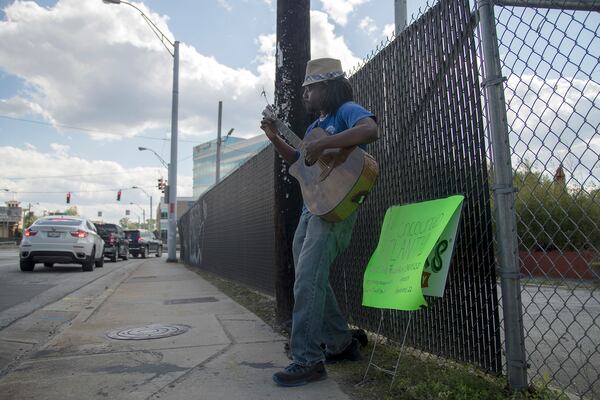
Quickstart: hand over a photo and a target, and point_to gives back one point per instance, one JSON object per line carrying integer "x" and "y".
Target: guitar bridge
{"x": 325, "y": 172}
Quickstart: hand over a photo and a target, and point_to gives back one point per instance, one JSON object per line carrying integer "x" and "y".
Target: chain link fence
{"x": 230, "y": 229}
{"x": 424, "y": 88}
{"x": 550, "y": 59}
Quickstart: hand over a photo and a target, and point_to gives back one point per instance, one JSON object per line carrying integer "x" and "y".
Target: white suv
{"x": 61, "y": 239}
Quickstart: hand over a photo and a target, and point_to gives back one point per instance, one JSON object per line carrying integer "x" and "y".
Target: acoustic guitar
{"x": 335, "y": 185}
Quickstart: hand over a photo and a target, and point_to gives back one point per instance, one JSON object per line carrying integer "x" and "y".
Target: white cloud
{"x": 388, "y": 30}
{"x": 46, "y": 177}
{"x": 554, "y": 121}
{"x": 101, "y": 67}
{"x": 225, "y": 4}
{"x": 17, "y": 106}
{"x": 60, "y": 149}
{"x": 339, "y": 10}
{"x": 266, "y": 60}
{"x": 325, "y": 43}
{"x": 367, "y": 24}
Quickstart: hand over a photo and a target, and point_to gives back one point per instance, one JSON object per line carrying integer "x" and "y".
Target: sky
{"x": 83, "y": 84}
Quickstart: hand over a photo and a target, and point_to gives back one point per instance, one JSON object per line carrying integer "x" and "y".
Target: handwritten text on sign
{"x": 413, "y": 252}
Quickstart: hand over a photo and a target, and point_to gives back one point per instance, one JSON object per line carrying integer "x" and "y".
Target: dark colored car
{"x": 143, "y": 242}
{"x": 116, "y": 244}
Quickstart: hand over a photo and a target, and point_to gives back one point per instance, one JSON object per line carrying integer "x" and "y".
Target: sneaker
{"x": 298, "y": 375}
{"x": 357, "y": 334}
{"x": 361, "y": 336}
{"x": 350, "y": 353}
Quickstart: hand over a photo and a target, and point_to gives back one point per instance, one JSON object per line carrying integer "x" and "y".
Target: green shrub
{"x": 552, "y": 216}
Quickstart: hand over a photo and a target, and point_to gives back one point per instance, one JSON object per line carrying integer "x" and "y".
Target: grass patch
{"x": 421, "y": 376}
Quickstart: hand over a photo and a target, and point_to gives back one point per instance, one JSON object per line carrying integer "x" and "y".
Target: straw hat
{"x": 322, "y": 69}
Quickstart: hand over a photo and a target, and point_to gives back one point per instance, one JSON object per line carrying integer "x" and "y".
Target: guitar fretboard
{"x": 288, "y": 134}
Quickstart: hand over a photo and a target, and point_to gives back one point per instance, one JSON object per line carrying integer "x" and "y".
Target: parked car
{"x": 64, "y": 240}
{"x": 143, "y": 242}
{"x": 116, "y": 245}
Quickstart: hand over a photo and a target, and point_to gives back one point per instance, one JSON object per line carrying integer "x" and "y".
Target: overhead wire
{"x": 78, "y": 128}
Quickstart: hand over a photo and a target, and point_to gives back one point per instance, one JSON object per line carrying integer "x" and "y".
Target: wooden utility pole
{"x": 293, "y": 52}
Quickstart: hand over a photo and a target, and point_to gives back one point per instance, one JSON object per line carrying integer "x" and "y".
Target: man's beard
{"x": 309, "y": 108}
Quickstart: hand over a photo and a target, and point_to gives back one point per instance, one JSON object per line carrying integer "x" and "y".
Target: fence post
{"x": 506, "y": 229}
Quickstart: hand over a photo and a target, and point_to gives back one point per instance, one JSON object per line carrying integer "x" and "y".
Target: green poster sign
{"x": 413, "y": 255}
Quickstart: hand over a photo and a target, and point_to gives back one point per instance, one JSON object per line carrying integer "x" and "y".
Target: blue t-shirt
{"x": 346, "y": 116}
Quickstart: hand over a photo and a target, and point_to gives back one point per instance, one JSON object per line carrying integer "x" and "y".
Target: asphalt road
{"x": 21, "y": 293}
{"x": 562, "y": 337}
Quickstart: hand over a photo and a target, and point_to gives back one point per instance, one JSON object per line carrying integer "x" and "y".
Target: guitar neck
{"x": 288, "y": 134}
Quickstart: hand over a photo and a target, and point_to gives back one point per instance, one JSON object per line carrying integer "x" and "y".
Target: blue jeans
{"x": 316, "y": 317}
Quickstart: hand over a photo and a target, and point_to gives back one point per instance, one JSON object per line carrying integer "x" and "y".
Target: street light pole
{"x": 218, "y": 166}
{"x": 141, "y": 208}
{"x": 150, "y": 215}
{"x": 157, "y": 156}
{"x": 172, "y": 231}
{"x": 172, "y": 235}
{"x": 28, "y": 213}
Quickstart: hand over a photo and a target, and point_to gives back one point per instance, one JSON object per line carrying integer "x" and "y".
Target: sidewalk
{"x": 227, "y": 353}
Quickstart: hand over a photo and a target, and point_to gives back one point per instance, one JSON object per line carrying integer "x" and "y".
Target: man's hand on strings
{"x": 313, "y": 150}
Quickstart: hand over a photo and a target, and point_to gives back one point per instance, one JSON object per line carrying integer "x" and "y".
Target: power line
{"x": 78, "y": 128}
{"x": 78, "y": 191}
{"x": 122, "y": 189}
{"x": 18, "y": 178}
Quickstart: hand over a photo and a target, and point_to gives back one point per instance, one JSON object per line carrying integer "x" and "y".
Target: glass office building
{"x": 234, "y": 152}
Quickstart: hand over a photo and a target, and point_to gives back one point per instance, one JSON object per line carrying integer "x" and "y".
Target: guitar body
{"x": 338, "y": 183}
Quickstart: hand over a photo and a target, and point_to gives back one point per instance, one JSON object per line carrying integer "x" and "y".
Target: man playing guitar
{"x": 316, "y": 317}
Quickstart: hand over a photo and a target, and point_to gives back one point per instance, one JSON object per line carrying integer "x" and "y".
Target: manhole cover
{"x": 153, "y": 331}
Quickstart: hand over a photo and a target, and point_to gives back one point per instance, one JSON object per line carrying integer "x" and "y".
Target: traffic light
{"x": 119, "y": 195}
{"x": 162, "y": 184}
{"x": 68, "y": 197}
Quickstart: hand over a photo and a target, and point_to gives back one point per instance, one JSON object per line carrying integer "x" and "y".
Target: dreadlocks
{"x": 338, "y": 92}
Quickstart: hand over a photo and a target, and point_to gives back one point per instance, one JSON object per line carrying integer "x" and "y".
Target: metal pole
{"x": 218, "y": 165}
{"x": 400, "y": 15}
{"x": 151, "y": 213}
{"x": 585, "y": 5}
{"x": 506, "y": 227}
{"x": 172, "y": 238}
{"x": 28, "y": 214}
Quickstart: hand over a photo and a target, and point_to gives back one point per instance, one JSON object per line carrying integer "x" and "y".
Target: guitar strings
{"x": 302, "y": 146}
